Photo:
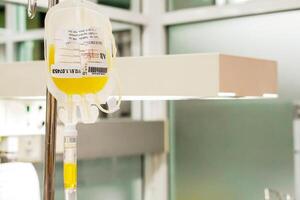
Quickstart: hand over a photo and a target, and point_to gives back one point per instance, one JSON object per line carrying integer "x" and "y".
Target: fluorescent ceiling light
{"x": 226, "y": 94}
{"x": 270, "y": 95}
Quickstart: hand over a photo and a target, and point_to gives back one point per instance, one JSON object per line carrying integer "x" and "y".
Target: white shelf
{"x": 162, "y": 77}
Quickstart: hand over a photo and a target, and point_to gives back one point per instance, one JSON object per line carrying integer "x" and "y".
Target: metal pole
{"x": 50, "y": 140}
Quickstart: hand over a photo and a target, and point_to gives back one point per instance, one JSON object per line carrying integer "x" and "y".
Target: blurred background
{"x": 218, "y": 149}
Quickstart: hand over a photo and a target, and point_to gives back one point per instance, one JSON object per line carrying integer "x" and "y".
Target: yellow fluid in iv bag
{"x": 79, "y": 86}
{"x": 70, "y": 175}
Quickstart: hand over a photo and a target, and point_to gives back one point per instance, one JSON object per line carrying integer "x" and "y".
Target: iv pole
{"x": 50, "y": 139}
{"x": 50, "y": 136}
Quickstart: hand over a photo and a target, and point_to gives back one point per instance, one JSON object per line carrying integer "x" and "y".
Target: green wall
{"x": 230, "y": 149}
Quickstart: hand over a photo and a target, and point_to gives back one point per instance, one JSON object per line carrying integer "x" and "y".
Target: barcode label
{"x": 72, "y": 70}
{"x": 97, "y": 70}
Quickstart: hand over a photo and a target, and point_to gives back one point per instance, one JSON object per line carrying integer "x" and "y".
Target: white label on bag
{"x": 79, "y": 53}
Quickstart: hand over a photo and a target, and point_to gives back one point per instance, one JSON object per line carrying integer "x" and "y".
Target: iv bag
{"x": 80, "y": 52}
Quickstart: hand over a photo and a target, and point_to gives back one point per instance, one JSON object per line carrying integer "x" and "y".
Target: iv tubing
{"x": 70, "y": 162}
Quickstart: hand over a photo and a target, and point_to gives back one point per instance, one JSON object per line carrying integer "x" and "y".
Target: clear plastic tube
{"x": 70, "y": 167}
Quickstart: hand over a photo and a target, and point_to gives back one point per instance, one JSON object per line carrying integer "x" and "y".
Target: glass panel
{"x": 182, "y": 4}
{"x": 2, "y": 16}
{"x": 37, "y": 22}
{"x": 21, "y": 18}
{"x": 116, "y": 3}
{"x": 231, "y": 150}
{"x": 30, "y": 50}
{"x": 123, "y": 42}
{"x": 2, "y": 53}
{"x": 109, "y": 178}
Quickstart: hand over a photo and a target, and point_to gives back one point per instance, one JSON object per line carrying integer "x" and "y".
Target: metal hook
{"x": 31, "y": 9}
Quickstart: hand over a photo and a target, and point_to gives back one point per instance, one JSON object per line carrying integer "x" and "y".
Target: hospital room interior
{"x": 149, "y": 100}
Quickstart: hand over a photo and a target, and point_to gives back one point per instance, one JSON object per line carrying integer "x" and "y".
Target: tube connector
{"x": 70, "y": 130}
